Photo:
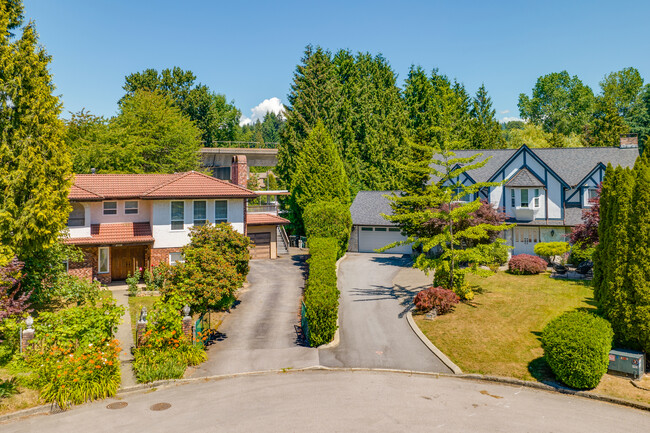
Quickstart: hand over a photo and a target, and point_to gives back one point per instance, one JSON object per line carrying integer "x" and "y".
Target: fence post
{"x": 141, "y": 327}
{"x": 187, "y": 322}
{"x": 28, "y": 334}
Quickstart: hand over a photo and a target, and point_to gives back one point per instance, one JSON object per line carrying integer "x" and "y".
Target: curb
{"x": 337, "y": 337}
{"x": 445, "y": 360}
{"x": 52, "y": 409}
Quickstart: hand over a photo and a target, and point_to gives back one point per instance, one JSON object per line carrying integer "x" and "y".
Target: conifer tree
{"x": 35, "y": 168}
{"x": 319, "y": 175}
{"x": 486, "y": 130}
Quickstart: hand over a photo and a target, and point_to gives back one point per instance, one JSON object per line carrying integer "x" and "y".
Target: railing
{"x": 262, "y": 208}
{"x": 245, "y": 144}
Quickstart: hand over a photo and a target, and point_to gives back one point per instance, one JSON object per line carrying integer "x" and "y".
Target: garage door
{"x": 372, "y": 238}
{"x": 261, "y": 245}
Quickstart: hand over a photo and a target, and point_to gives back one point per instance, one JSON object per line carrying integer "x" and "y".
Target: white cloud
{"x": 504, "y": 112}
{"x": 511, "y": 119}
{"x": 258, "y": 112}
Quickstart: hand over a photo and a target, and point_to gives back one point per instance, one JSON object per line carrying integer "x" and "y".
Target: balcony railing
{"x": 262, "y": 208}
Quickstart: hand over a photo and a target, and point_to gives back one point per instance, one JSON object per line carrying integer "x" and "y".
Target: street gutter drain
{"x": 160, "y": 406}
{"x": 117, "y": 405}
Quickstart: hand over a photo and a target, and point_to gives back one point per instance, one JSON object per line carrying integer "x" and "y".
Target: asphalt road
{"x": 319, "y": 401}
{"x": 374, "y": 330}
{"x": 261, "y": 333}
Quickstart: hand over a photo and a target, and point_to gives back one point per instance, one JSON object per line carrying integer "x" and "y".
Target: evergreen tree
{"x": 486, "y": 131}
{"x": 319, "y": 175}
{"x": 35, "y": 168}
{"x": 608, "y": 125}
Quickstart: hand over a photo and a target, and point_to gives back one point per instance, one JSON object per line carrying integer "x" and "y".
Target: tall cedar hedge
{"x": 621, "y": 262}
{"x": 321, "y": 292}
{"x": 329, "y": 219}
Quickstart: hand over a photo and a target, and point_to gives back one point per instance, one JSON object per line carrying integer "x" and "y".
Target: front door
{"x": 126, "y": 260}
{"x": 525, "y": 239}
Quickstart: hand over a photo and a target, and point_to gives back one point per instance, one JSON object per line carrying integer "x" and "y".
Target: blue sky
{"x": 249, "y": 50}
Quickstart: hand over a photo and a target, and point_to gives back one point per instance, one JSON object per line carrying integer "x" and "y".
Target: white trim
{"x": 112, "y": 211}
{"x": 171, "y": 220}
{"x": 206, "y": 220}
{"x": 137, "y": 207}
{"x": 108, "y": 260}
{"x": 221, "y": 220}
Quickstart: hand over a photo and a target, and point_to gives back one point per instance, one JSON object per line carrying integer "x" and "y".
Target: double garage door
{"x": 372, "y": 238}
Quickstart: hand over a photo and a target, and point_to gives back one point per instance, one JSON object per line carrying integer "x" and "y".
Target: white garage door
{"x": 372, "y": 238}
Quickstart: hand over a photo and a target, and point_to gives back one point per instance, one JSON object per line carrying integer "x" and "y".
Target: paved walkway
{"x": 262, "y": 331}
{"x": 124, "y": 334}
{"x": 321, "y": 401}
{"x": 374, "y": 330}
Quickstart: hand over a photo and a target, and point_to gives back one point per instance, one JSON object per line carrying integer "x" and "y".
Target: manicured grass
{"x": 25, "y": 399}
{"x": 135, "y": 306}
{"x": 498, "y": 333}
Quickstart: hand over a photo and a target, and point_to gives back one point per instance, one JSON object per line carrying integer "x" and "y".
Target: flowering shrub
{"x": 442, "y": 300}
{"x": 526, "y": 264}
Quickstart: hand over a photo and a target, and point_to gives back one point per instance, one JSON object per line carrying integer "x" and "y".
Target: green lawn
{"x": 498, "y": 333}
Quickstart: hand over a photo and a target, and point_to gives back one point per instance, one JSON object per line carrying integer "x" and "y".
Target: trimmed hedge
{"x": 321, "y": 291}
{"x": 329, "y": 219}
{"x": 576, "y": 347}
{"x": 526, "y": 264}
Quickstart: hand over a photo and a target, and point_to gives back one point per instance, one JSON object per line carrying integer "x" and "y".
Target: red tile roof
{"x": 123, "y": 233}
{"x": 257, "y": 219}
{"x": 190, "y": 184}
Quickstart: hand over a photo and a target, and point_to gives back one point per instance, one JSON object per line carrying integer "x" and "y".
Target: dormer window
{"x": 524, "y": 198}
{"x": 77, "y": 217}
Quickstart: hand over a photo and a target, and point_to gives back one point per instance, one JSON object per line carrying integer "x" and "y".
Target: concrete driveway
{"x": 262, "y": 331}
{"x": 320, "y": 401}
{"x": 374, "y": 330}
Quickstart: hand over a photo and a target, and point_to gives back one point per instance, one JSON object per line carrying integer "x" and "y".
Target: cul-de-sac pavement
{"x": 379, "y": 376}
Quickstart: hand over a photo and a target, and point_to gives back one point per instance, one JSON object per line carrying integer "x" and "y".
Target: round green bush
{"x": 576, "y": 347}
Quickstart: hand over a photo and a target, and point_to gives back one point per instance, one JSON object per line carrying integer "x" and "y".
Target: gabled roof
{"x": 258, "y": 219}
{"x": 122, "y": 233}
{"x": 189, "y": 184}
{"x": 368, "y": 206}
{"x": 571, "y": 164}
{"x": 523, "y": 178}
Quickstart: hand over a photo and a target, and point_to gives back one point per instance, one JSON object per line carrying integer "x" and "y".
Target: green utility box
{"x": 628, "y": 362}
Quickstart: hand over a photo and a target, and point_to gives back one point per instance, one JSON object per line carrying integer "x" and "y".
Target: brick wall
{"x": 161, "y": 255}
{"x": 87, "y": 268}
{"x": 239, "y": 170}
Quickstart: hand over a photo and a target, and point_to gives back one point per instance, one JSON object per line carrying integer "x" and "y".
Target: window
{"x": 513, "y": 203}
{"x": 393, "y": 229}
{"x": 220, "y": 211}
{"x": 536, "y": 202}
{"x": 103, "y": 260}
{"x": 77, "y": 217}
{"x": 199, "y": 213}
{"x": 366, "y": 229}
{"x": 110, "y": 208}
{"x": 176, "y": 258}
{"x": 592, "y": 194}
{"x": 380, "y": 229}
{"x": 460, "y": 196}
{"x": 524, "y": 198}
{"x": 130, "y": 207}
{"x": 178, "y": 215}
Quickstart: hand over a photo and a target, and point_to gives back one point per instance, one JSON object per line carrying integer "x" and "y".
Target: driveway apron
{"x": 374, "y": 329}
{"x": 262, "y": 331}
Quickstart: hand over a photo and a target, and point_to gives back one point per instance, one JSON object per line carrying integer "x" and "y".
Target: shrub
{"x": 580, "y": 253}
{"x": 495, "y": 253}
{"x": 526, "y": 264}
{"x": 132, "y": 281}
{"x": 8, "y": 388}
{"x": 442, "y": 300}
{"x": 551, "y": 249}
{"x": 72, "y": 289}
{"x": 147, "y": 275}
{"x": 321, "y": 292}
{"x": 329, "y": 219}
{"x": 461, "y": 288}
{"x": 576, "y": 346}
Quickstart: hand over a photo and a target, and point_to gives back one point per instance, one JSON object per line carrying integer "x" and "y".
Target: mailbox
{"x": 628, "y": 362}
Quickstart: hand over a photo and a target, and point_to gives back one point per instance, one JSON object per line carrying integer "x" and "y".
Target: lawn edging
{"x": 337, "y": 337}
{"x": 437, "y": 352}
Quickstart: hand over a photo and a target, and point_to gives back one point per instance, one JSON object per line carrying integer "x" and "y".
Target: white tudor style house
{"x": 123, "y": 222}
{"x": 544, "y": 193}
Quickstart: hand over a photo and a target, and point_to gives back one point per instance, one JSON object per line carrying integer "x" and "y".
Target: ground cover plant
{"x": 499, "y": 332}
{"x": 576, "y": 347}
{"x": 526, "y": 264}
{"x": 321, "y": 291}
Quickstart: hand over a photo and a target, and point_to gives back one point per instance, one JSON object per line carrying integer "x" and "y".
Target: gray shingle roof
{"x": 572, "y": 164}
{"x": 368, "y": 206}
{"x": 524, "y": 178}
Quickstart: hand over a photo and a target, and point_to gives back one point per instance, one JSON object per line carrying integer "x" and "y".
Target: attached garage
{"x": 373, "y": 238}
{"x": 261, "y": 245}
{"x": 370, "y": 230}
{"x": 262, "y": 230}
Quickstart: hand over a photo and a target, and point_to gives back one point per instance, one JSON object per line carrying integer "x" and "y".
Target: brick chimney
{"x": 629, "y": 140}
{"x": 239, "y": 170}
